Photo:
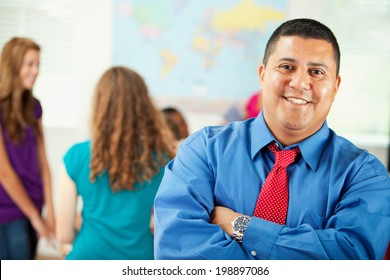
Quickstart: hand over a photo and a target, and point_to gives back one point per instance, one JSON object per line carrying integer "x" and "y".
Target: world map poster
{"x": 187, "y": 49}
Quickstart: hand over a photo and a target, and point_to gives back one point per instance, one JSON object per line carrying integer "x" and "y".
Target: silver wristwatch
{"x": 239, "y": 226}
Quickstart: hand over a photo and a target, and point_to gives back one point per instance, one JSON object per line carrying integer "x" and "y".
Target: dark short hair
{"x": 305, "y": 28}
{"x": 170, "y": 110}
{"x": 173, "y": 125}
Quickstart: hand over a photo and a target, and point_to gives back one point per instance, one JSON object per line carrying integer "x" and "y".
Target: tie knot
{"x": 283, "y": 158}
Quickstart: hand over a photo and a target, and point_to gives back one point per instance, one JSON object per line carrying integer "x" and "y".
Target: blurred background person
{"x": 233, "y": 113}
{"x": 25, "y": 179}
{"x": 116, "y": 173}
{"x": 250, "y": 109}
{"x": 254, "y": 105}
{"x": 176, "y": 122}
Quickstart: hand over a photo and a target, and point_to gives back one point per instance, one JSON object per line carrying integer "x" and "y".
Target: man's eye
{"x": 285, "y": 67}
{"x": 316, "y": 72}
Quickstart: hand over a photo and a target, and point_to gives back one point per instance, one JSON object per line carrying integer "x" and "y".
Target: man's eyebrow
{"x": 311, "y": 64}
{"x": 318, "y": 64}
{"x": 288, "y": 59}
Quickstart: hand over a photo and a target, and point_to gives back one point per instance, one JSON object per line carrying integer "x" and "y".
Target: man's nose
{"x": 300, "y": 80}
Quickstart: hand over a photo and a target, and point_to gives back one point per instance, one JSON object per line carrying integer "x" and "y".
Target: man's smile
{"x": 297, "y": 101}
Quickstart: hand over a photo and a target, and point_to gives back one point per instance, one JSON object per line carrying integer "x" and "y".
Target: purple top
{"x": 24, "y": 159}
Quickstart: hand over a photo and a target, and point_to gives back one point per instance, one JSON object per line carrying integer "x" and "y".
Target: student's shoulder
{"x": 79, "y": 149}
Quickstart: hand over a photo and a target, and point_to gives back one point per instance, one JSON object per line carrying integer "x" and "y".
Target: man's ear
{"x": 336, "y": 86}
{"x": 261, "y": 73}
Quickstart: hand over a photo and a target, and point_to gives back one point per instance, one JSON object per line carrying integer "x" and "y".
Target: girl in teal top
{"x": 116, "y": 173}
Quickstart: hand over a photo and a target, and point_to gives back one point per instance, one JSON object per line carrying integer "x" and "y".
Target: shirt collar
{"x": 260, "y": 135}
{"x": 311, "y": 148}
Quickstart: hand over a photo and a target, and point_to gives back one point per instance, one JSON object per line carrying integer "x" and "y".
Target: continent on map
{"x": 169, "y": 61}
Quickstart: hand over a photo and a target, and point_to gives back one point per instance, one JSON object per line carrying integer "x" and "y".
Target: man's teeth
{"x": 297, "y": 101}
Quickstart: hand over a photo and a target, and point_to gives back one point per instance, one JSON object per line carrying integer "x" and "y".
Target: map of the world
{"x": 208, "y": 49}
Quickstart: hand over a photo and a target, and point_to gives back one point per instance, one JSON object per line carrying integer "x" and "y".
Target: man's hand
{"x": 224, "y": 217}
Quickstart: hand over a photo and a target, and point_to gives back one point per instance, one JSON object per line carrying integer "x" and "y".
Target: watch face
{"x": 240, "y": 224}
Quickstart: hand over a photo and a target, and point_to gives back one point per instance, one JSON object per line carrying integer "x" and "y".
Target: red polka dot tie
{"x": 272, "y": 203}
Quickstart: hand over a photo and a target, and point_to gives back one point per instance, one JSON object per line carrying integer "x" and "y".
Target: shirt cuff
{"x": 260, "y": 236}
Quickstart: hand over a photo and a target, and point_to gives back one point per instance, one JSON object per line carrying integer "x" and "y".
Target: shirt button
{"x": 253, "y": 253}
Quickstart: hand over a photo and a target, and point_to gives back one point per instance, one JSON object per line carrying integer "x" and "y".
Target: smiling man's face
{"x": 299, "y": 85}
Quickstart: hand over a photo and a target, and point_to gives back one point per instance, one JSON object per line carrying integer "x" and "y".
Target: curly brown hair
{"x": 130, "y": 138}
{"x": 17, "y": 103}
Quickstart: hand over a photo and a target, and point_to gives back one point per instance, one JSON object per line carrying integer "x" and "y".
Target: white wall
{"x": 93, "y": 58}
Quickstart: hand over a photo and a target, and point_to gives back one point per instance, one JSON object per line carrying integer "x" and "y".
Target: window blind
{"x": 52, "y": 25}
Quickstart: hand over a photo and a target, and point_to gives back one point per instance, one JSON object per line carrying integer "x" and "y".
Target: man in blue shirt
{"x": 339, "y": 195}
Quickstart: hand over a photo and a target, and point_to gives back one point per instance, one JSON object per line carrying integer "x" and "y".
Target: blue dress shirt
{"x": 339, "y": 198}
